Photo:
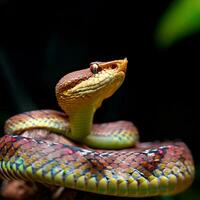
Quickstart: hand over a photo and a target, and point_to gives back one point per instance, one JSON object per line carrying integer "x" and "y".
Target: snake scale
{"x": 106, "y": 158}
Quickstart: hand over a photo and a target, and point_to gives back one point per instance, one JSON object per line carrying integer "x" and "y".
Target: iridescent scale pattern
{"x": 147, "y": 170}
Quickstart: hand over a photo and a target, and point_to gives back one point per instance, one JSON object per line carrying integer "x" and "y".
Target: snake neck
{"x": 81, "y": 123}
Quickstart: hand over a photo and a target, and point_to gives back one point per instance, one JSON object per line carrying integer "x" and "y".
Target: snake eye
{"x": 94, "y": 67}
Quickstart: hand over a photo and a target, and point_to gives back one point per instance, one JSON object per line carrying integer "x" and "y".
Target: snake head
{"x": 90, "y": 86}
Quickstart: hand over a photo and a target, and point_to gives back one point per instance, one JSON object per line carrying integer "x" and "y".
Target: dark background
{"x": 39, "y": 43}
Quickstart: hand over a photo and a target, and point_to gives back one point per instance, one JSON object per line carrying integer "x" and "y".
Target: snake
{"x": 106, "y": 158}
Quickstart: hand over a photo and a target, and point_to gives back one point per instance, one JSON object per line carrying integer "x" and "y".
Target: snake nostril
{"x": 113, "y": 66}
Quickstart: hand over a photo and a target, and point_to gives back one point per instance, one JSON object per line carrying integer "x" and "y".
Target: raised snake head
{"x": 90, "y": 86}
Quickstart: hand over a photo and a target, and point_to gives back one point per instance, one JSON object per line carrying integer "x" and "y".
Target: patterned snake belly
{"x": 108, "y": 160}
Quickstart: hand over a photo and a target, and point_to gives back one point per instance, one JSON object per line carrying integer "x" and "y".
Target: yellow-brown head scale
{"x": 90, "y": 86}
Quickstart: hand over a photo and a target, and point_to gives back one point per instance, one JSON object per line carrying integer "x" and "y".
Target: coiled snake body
{"x": 112, "y": 161}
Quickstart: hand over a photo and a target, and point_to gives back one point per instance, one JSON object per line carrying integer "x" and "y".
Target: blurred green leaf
{"x": 180, "y": 20}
